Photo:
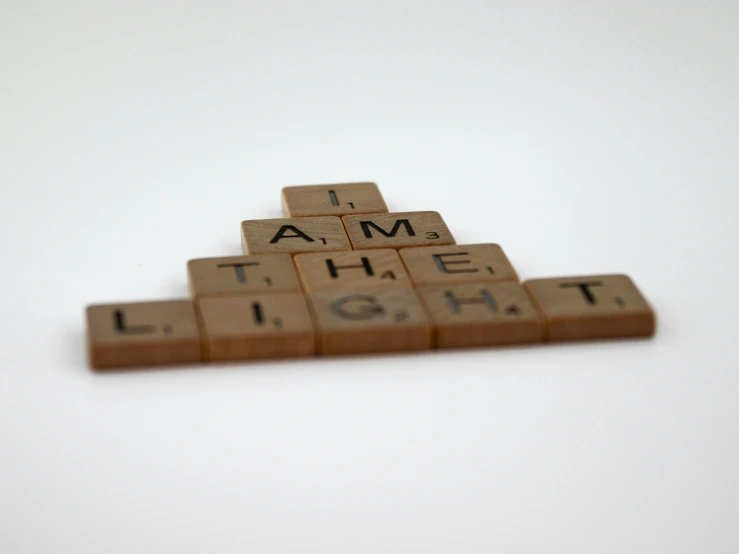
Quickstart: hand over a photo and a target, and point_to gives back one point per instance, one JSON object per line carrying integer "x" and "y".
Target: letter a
{"x": 298, "y": 234}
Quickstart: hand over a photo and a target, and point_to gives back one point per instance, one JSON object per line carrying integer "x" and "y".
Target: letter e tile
{"x": 462, "y": 263}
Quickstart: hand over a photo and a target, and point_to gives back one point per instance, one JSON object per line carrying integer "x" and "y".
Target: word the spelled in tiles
{"x": 340, "y": 274}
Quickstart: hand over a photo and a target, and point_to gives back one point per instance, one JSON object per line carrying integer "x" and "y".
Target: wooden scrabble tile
{"x": 592, "y": 307}
{"x": 142, "y": 334}
{"x": 396, "y": 230}
{"x": 339, "y": 199}
{"x": 480, "y": 314}
{"x": 294, "y": 235}
{"x": 242, "y": 275}
{"x": 351, "y": 270}
{"x": 256, "y": 326}
{"x": 366, "y": 321}
{"x": 433, "y": 265}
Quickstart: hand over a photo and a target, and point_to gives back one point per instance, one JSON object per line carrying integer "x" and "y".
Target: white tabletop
{"x": 584, "y": 137}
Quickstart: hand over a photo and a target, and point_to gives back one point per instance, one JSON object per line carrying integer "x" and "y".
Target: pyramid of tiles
{"x": 341, "y": 275}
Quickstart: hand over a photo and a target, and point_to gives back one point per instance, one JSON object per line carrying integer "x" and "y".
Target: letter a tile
{"x": 592, "y": 307}
{"x": 294, "y": 235}
{"x": 396, "y": 230}
{"x": 366, "y": 321}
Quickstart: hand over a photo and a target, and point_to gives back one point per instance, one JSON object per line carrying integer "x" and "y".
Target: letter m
{"x": 368, "y": 233}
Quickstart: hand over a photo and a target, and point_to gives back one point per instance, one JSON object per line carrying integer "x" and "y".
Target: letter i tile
{"x": 338, "y": 199}
{"x": 276, "y": 325}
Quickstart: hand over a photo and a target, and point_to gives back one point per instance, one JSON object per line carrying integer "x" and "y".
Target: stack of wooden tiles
{"x": 341, "y": 275}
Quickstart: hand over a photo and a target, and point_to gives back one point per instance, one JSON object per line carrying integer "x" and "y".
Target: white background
{"x": 584, "y": 137}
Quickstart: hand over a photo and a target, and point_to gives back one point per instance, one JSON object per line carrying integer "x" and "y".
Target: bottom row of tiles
{"x": 281, "y": 325}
